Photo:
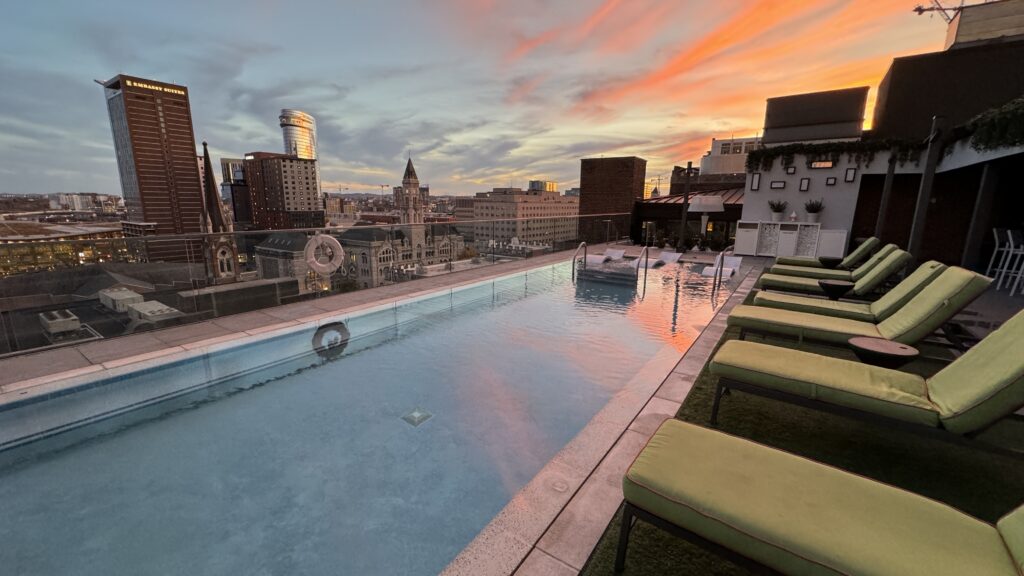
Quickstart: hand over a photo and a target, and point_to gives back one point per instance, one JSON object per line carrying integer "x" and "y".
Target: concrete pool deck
{"x": 551, "y": 526}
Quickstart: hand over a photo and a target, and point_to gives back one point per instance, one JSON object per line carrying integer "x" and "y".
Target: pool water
{"x": 308, "y": 466}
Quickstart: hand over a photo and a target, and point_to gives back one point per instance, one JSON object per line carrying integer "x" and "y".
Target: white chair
{"x": 1020, "y": 275}
{"x": 608, "y": 256}
{"x": 614, "y": 254}
{"x": 729, "y": 264}
{"x": 662, "y": 259}
{"x": 1000, "y": 249}
{"x": 1010, "y": 267}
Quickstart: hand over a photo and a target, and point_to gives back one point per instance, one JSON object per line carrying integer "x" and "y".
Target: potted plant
{"x": 813, "y": 209}
{"x": 777, "y": 207}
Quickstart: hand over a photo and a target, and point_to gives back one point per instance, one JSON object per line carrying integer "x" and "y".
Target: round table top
{"x": 829, "y": 261}
{"x": 882, "y": 346}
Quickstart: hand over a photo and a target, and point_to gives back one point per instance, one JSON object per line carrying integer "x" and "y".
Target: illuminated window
{"x": 822, "y": 164}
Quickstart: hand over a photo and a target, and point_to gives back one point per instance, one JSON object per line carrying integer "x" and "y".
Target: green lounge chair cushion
{"x": 934, "y": 305}
{"x": 799, "y": 261}
{"x": 800, "y": 324}
{"x": 853, "y": 310}
{"x": 891, "y": 264}
{"x": 911, "y": 286}
{"x": 890, "y": 393}
{"x": 798, "y": 516}
{"x": 860, "y": 253}
{"x": 807, "y": 272}
{"x": 985, "y": 384}
{"x": 851, "y": 260}
{"x": 792, "y": 283}
{"x": 1011, "y": 528}
{"x": 877, "y": 311}
{"x": 826, "y": 274}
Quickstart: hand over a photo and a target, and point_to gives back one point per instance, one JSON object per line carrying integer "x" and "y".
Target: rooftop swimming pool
{"x": 380, "y": 442}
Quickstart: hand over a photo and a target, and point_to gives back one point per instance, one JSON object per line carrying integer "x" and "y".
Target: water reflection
{"x": 604, "y": 294}
{"x": 674, "y": 306}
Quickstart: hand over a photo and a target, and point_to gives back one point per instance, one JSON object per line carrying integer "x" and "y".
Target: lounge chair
{"x": 925, "y": 313}
{"x": 776, "y": 512}
{"x": 664, "y": 258}
{"x": 875, "y": 311}
{"x": 826, "y": 274}
{"x": 609, "y": 255}
{"x": 864, "y": 284}
{"x": 729, "y": 265}
{"x": 851, "y": 261}
{"x": 976, "y": 390}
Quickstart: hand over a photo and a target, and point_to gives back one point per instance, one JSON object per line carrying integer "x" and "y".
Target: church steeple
{"x": 215, "y": 219}
{"x": 410, "y": 173}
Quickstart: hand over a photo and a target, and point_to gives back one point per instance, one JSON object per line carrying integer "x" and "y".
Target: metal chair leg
{"x": 720, "y": 391}
{"x": 624, "y": 528}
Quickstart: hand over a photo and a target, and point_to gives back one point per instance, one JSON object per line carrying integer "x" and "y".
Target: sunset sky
{"x": 483, "y": 93}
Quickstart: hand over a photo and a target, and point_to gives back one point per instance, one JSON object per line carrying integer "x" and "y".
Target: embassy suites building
{"x": 151, "y": 123}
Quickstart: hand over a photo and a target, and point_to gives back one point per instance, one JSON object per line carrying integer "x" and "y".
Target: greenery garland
{"x": 857, "y": 151}
{"x": 997, "y": 127}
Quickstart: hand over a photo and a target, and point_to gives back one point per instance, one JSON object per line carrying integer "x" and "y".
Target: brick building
{"x": 609, "y": 186}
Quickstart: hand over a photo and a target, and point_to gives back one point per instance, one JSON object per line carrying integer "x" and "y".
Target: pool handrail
{"x": 645, "y": 254}
{"x": 583, "y": 246}
{"x": 720, "y": 260}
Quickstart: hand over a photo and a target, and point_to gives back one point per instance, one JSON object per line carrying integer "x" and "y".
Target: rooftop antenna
{"x": 947, "y": 14}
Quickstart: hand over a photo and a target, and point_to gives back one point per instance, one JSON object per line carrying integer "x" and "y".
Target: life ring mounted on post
{"x": 327, "y": 245}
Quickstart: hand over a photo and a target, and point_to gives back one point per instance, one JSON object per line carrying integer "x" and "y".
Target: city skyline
{"x": 482, "y": 94}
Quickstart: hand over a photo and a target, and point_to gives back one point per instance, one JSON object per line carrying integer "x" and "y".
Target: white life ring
{"x": 326, "y": 244}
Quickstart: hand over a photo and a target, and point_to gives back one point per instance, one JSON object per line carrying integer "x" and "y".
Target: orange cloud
{"x": 527, "y": 45}
{"x": 640, "y": 30}
{"x": 747, "y": 25}
{"x": 576, "y": 34}
{"x": 690, "y": 148}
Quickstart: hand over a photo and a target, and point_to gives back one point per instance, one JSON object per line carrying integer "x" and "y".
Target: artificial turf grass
{"x": 981, "y": 484}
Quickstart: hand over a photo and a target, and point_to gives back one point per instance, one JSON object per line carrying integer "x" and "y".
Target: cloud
{"x": 746, "y": 26}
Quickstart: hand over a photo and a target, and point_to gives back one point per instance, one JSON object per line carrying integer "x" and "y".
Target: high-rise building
{"x": 543, "y": 186}
{"x": 299, "y": 131}
{"x": 283, "y": 191}
{"x": 235, "y": 190}
{"x": 151, "y": 123}
{"x": 609, "y": 186}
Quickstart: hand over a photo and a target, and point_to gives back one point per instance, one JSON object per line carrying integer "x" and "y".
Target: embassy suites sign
{"x": 168, "y": 89}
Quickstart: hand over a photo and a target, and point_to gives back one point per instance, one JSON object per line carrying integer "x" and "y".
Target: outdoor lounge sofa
{"x": 970, "y": 394}
{"x": 866, "y": 278}
{"x": 852, "y": 259}
{"x": 925, "y": 313}
{"x": 776, "y": 512}
{"x": 826, "y": 274}
{"x": 875, "y": 311}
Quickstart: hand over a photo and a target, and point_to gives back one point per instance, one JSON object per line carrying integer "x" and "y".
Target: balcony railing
{"x": 111, "y": 287}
